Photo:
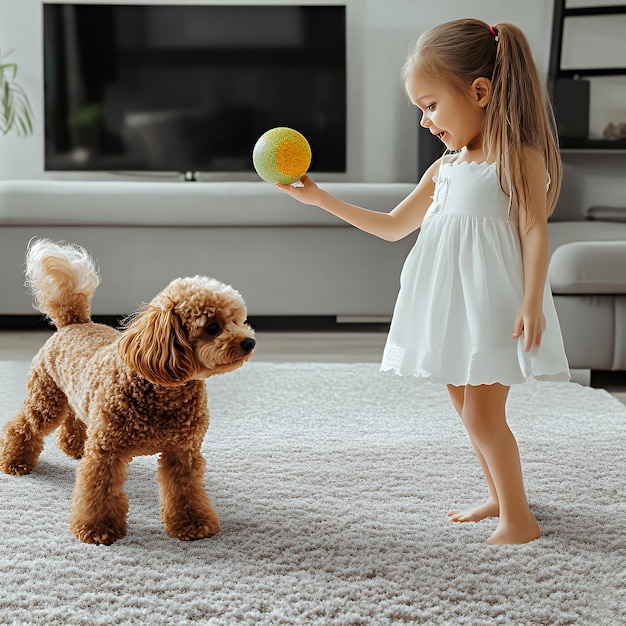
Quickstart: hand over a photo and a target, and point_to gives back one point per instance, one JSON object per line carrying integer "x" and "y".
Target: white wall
{"x": 382, "y": 125}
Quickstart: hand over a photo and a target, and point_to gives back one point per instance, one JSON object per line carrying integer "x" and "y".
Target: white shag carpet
{"x": 332, "y": 482}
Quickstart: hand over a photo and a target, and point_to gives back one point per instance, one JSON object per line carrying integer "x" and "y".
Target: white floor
{"x": 274, "y": 346}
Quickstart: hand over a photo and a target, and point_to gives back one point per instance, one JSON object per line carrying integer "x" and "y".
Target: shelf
{"x": 571, "y": 99}
{"x": 618, "y": 9}
{"x": 595, "y": 151}
{"x": 592, "y": 71}
{"x": 608, "y": 145}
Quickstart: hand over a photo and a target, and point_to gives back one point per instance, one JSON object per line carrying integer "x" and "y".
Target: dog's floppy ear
{"x": 155, "y": 345}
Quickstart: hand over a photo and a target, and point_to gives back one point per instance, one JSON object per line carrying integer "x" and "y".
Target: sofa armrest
{"x": 589, "y": 267}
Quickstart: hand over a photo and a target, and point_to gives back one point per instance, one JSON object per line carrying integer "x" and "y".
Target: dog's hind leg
{"x": 186, "y": 510}
{"x": 71, "y": 435}
{"x": 22, "y": 439}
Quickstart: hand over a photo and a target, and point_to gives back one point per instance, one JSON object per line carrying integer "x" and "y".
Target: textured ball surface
{"x": 281, "y": 155}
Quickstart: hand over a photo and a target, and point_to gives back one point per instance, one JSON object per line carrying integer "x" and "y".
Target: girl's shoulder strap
{"x": 446, "y": 158}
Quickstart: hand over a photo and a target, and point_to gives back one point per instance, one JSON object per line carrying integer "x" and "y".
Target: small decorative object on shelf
{"x": 615, "y": 131}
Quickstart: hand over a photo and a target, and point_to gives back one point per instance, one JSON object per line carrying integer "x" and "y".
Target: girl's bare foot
{"x": 490, "y": 508}
{"x": 515, "y": 533}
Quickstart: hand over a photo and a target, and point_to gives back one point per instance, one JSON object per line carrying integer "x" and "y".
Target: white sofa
{"x": 285, "y": 258}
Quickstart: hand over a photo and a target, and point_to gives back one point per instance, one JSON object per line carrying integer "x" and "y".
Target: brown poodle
{"x": 115, "y": 395}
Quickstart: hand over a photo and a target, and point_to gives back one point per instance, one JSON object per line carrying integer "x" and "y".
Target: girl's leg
{"x": 491, "y": 507}
{"x": 484, "y": 418}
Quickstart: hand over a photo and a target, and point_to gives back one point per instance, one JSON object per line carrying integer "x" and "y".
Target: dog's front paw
{"x": 101, "y": 533}
{"x": 191, "y": 528}
{"x": 16, "y": 468}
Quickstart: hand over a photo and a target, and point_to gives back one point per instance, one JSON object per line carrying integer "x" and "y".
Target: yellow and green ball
{"x": 281, "y": 155}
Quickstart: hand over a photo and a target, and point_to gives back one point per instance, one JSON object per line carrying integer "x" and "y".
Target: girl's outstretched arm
{"x": 530, "y": 319}
{"x": 398, "y": 223}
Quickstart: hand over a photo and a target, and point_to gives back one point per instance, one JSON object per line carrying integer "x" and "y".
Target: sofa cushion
{"x": 607, "y": 214}
{"x": 589, "y": 267}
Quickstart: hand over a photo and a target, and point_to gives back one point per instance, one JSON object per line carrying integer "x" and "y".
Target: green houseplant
{"x": 15, "y": 110}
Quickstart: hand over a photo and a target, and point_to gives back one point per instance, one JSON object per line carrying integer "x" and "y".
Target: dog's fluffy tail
{"x": 62, "y": 279}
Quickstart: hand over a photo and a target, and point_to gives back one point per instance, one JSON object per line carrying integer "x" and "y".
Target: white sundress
{"x": 461, "y": 289}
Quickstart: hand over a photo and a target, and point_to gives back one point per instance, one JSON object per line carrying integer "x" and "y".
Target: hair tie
{"x": 495, "y": 34}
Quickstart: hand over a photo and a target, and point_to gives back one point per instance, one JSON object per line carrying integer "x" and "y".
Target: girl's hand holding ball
{"x": 306, "y": 192}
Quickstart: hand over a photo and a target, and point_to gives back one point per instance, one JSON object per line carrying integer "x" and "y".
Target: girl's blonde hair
{"x": 519, "y": 114}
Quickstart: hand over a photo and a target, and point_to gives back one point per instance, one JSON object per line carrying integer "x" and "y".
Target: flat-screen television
{"x": 190, "y": 88}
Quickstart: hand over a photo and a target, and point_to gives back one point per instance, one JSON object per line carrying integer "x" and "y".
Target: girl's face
{"x": 455, "y": 117}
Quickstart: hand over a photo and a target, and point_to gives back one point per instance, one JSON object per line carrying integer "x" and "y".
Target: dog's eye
{"x": 213, "y": 328}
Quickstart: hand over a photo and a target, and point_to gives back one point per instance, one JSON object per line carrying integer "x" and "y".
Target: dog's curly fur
{"x": 115, "y": 395}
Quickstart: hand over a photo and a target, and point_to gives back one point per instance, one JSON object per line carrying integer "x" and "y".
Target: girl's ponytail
{"x": 520, "y": 116}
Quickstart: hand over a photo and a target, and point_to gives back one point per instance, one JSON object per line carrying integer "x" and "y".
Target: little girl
{"x": 475, "y": 311}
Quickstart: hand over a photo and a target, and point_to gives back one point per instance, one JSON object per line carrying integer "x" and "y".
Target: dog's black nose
{"x": 248, "y": 345}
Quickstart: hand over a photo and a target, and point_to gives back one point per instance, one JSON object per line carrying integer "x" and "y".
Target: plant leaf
{"x": 15, "y": 109}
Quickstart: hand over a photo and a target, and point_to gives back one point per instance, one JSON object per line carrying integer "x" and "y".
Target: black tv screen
{"x": 190, "y": 88}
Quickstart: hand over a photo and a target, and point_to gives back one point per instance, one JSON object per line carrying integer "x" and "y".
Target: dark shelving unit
{"x": 570, "y": 86}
